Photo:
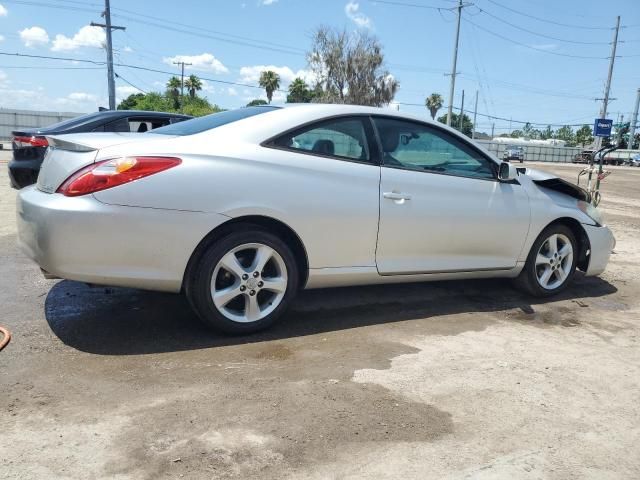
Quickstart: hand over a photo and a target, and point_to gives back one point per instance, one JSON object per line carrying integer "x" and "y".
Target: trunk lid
{"x": 67, "y": 154}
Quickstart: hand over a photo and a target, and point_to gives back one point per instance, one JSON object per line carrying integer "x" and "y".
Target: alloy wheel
{"x": 554, "y": 261}
{"x": 249, "y": 282}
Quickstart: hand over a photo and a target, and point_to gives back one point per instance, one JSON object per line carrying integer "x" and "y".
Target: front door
{"x": 442, "y": 208}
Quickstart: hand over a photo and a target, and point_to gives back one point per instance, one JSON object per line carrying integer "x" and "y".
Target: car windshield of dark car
{"x": 74, "y": 122}
{"x": 200, "y": 124}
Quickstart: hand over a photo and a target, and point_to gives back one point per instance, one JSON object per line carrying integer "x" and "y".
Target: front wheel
{"x": 244, "y": 282}
{"x": 551, "y": 263}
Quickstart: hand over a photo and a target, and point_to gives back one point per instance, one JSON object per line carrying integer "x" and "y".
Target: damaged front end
{"x": 551, "y": 182}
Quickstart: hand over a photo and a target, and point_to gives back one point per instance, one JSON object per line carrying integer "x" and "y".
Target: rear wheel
{"x": 551, "y": 263}
{"x": 244, "y": 281}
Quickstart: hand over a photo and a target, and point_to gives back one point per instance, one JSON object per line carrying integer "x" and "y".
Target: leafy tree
{"x": 193, "y": 84}
{"x": 527, "y": 130}
{"x": 516, "y": 134}
{"x": 270, "y": 81}
{"x": 173, "y": 90}
{"x": 349, "y": 68}
{"x": 547, "y": 133}
{"x": 130, "y": 102}
{"x": 566, "y": 133}
{"x": 158, "y": 102}
{"x": 299, "y": 92}
{"x": 583, "y": 135}
{"x": 256, "y": 102}
{"x": 467, "y": 124}
{"x": 434, "y": 103}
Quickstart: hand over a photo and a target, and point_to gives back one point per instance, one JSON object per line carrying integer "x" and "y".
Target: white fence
{"x": 20, "y": 119}
{"x": 549, "y": 153}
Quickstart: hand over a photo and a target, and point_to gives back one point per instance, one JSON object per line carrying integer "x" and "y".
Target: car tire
{"x": 244, "y": 281}
{"x": 544, "y": 278}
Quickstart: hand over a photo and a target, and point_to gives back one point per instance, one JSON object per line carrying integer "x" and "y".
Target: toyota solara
{"x": 241, "y": 209}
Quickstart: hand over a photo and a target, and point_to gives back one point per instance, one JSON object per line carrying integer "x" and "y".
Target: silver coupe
{"x": 241, "y": 209}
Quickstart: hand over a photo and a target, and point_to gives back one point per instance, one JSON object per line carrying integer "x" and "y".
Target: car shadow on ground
{"x": 119, "y": 321}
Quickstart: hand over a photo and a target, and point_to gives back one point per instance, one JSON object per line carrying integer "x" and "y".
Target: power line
{"x": 413, "y": 5}
{"x": 538, "y": 33}
{"x": 583, "y": 27}
{"x": 550, "y": 52}
{"x": 128, "y": 82}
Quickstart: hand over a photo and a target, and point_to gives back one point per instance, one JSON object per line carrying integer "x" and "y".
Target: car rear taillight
{"x": 33, "y": 141}
{"x": 111, "y": 173}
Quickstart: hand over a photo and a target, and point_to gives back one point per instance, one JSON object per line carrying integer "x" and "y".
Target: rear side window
{"x": 343, "y": 138}
{"x": 200, "y": 124}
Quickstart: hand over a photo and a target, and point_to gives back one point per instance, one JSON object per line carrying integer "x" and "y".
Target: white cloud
{"x": 251, "y": 74}
{"x": 232, "y": 91}
{"x": 267, "y": 2}
{"x": 3, "y": 79}
{"x": 87, "y": 36}
{"x": 205, "y": 61}
{"x": 34, "y": 36}
{"x": 127, "y": 49}
{"x": 207, "y": 87}
{"x": 3, "y": 11}
{"x": 1, "y": 38}
{"x": 82, "y": 97}
{"x": 126, "y": 90}
{"x": 357, "y": 17}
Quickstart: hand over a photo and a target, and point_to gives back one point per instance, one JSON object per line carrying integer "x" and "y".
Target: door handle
{"x": 396, "y": 196}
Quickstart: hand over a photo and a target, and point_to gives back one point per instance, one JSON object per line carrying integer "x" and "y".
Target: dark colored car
{"x": 29, "y": 146}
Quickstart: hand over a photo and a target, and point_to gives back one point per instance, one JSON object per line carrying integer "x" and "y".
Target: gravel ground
{"x": 439, "y": 380}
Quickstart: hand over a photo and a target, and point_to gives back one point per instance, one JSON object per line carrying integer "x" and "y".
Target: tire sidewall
{"x": 200, "y": 291}
{"x": 530, "y": 266}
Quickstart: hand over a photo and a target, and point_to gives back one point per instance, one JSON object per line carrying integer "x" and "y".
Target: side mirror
{"x": 507, "y": 172}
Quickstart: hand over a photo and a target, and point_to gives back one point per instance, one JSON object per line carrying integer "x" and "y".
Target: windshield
{"x": 200, "y": 124}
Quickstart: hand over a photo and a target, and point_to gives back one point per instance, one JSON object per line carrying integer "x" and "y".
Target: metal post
{"x": 182, "y": 64}
{"x": 475, "y": 114}
{"x": 493, "y": 127}
{"x": 607, "y": 89}
{"x": 634, "y": 119}
{"x": 461, "y": 112}
{"x": 454, "y": 66}
{"x": 108, "y": 28}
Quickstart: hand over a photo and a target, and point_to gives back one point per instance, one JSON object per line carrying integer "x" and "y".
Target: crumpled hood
{"x": 552, "y": 182}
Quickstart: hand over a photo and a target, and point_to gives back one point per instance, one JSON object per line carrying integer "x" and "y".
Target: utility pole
{"x": 475, "y": 114}
{"x": 634, "y": 119}
{"x": 605, "y": 100}
{"x": 493, "y": 127}
{"x": 461, "y": 112}
{"x": 108, "y": 28}
{"x": 182, "y": 64}
{"x": 452, "y": 87}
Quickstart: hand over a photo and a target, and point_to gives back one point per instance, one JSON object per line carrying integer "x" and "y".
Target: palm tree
{"x": 194, "y": 84}
{"x": 173, "y": 89}
{"x": 299, "y": 92}
{"x": 434, "y": 103}
{"x": 270, "y": 81}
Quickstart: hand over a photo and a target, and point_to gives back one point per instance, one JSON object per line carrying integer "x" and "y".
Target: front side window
{"x": 420, "y": 147}
{"x": 341, "y": 137}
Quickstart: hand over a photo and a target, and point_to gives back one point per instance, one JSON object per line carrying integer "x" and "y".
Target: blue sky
{"x": 515, "y": 61}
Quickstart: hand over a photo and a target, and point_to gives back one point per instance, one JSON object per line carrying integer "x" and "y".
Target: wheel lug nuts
{"x": 256, "y": 274}
{"x": 260, "y": 284}
{"x": 242, "y": 288}
{"x": 252, "y": 293}
{"x": 245, "y": 276}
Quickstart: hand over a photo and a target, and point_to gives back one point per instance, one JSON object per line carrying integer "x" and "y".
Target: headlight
{"x": 592, "y": 212}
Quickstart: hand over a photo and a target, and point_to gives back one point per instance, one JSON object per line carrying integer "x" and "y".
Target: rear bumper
{"x": 601, "y": 243}
{"x": 80, "y": 238}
